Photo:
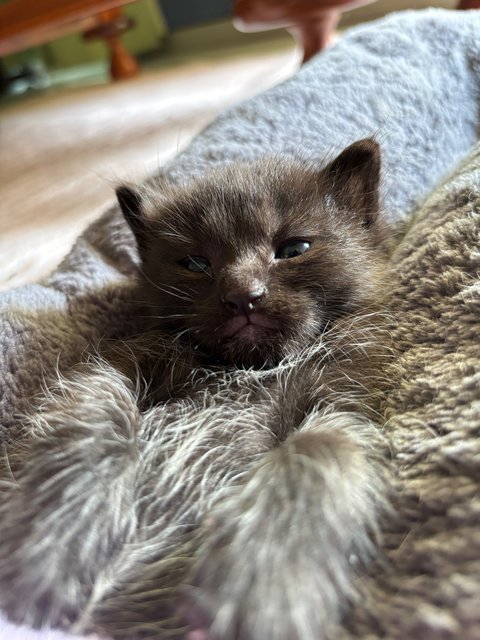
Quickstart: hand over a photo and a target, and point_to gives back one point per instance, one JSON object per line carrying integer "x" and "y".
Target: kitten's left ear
{"x": 130, "y": 202}
{"x": 353, "y": 179}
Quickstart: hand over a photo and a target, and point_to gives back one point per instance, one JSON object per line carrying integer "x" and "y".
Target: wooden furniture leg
{"x": 311, "y": 22}
{"x": 314, "y": 36}
{"x": 111, "y": 25}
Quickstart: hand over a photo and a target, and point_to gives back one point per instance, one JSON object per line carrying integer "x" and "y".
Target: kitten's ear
{"x": 130, "y": 202}
{"x": 353, "y": 178}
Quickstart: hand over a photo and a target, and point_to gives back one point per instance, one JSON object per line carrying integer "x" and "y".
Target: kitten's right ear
{"x": 353, "y": 178}
{"x": 130, "y": 202}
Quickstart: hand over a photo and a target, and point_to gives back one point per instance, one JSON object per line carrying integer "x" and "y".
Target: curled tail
{"x": 281, "y": 550}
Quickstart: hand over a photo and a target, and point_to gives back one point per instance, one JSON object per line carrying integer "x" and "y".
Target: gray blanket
{"x": 412, "y": 80}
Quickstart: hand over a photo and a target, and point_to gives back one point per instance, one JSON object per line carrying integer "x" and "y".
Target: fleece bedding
{"x": 412, "y": 80}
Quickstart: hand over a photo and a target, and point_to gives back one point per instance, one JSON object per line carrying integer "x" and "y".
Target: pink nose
{"x": 243, "y": 301}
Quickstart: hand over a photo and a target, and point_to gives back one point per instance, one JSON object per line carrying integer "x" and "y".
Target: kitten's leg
{"x": 282, "y": 549}
{"x": 65, "y": 496}
{"x": 97, "y": 502}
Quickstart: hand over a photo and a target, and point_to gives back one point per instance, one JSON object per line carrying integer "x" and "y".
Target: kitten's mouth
{"x": 248, "y": 326}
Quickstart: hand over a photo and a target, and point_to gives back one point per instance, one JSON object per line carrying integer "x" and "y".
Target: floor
{"x": 63, "y": 150}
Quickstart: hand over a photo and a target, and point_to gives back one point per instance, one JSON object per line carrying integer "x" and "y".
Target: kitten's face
{"x": 252, "y": 261}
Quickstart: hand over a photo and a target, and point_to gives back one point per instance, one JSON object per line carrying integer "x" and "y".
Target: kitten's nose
{"x": 243, "y": 301}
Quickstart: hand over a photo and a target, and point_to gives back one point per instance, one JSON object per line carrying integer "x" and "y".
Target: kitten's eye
{"x": 197, "y": 264}
{"x": 292, "y": 249}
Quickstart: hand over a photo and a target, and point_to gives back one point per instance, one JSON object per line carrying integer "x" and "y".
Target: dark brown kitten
{"x": 267, "y": 275}
{"x": 252, "y": 262}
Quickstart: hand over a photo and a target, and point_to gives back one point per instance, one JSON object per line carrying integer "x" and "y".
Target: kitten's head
{"x": 252, "y": 261}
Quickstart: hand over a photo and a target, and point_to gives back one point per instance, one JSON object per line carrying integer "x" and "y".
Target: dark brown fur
{"x": 238, "y": 217}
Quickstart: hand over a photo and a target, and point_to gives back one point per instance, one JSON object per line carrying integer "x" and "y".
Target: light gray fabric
{"x": 413, "y": 81}
{"x": 410, "y": 80}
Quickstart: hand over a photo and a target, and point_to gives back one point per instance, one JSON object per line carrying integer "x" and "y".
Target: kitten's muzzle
{"x": 249, "y": 326}
{"x": 243, "y": 302}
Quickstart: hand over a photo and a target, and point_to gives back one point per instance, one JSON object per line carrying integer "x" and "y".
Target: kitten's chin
{"x": 249, "y": 353}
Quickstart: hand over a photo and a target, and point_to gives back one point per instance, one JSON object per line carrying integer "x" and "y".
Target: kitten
{"x": 265, "y": 276}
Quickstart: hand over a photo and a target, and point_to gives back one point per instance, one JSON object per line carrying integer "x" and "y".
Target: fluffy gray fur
{"x": 282, "y": 508}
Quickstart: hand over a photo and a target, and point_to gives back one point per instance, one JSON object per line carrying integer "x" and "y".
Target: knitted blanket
{"x": 412, "y": 80}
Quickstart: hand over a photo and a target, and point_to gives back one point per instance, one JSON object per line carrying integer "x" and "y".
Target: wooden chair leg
{"x": 111, "y": 25}
{"x": 315, "y": 36}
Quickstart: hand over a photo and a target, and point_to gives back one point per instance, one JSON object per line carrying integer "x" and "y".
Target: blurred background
{"x": 69, "y": 133}
{"x": 162, "y": 31}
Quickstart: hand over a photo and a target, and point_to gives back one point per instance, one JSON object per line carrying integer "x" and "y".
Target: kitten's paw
{"x": 276, "y": 559}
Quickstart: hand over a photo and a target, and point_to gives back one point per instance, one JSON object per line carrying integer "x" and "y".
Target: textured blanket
{"x": 412, "y": 80}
